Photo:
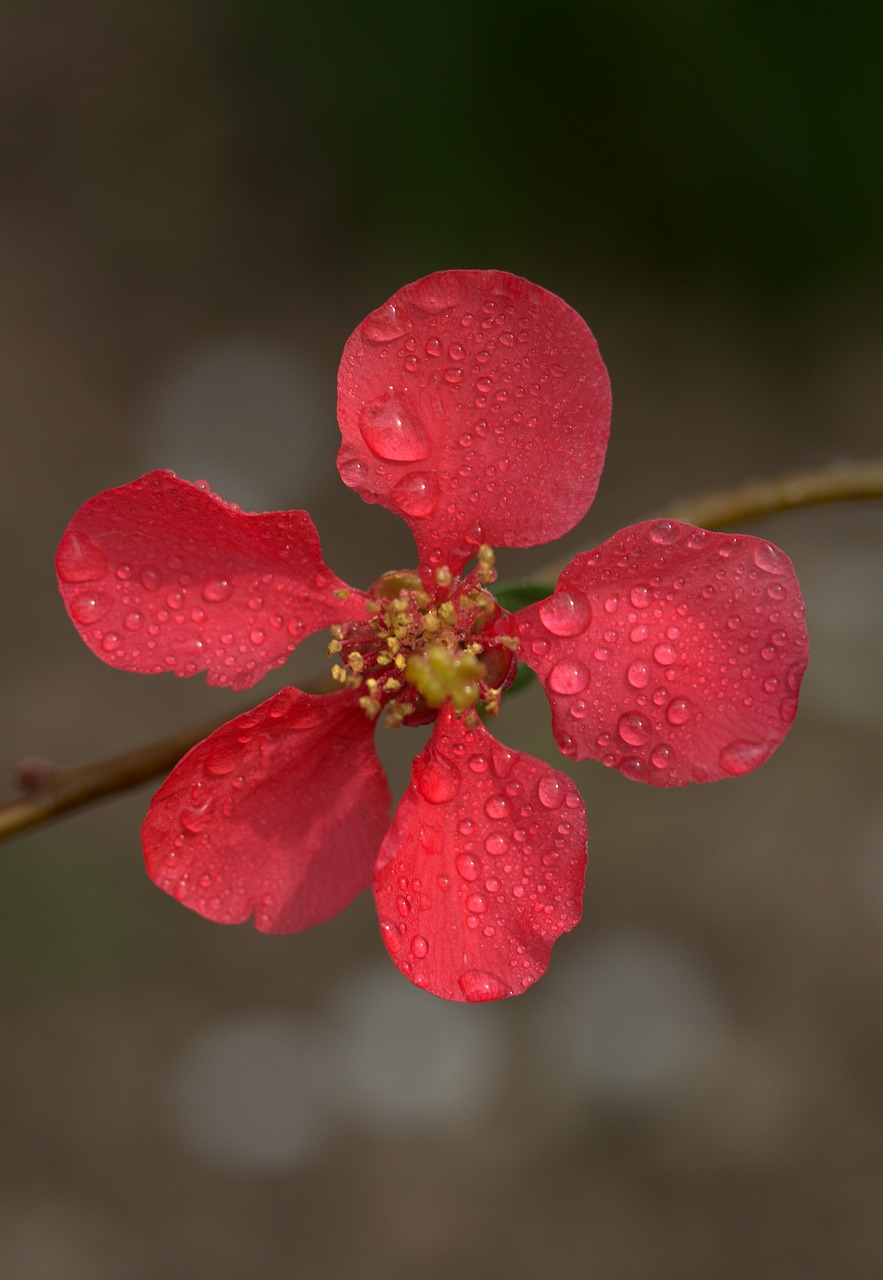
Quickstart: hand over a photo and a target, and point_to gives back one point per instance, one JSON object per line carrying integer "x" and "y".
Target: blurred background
{"x": 200, "y": 201}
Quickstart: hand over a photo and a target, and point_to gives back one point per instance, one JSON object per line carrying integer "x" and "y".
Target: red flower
{"x": 476, "y": 406}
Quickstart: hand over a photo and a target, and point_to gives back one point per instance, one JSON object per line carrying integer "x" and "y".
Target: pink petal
{"x": 280, "y": 812}
{"x": 476, "y": 406}
{"x": 482, "y": 868}
{"x": 162, "y": 575}
{"x": 670, "y": 653}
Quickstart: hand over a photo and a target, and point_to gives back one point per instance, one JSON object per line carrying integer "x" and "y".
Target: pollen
{"x": 486, "y": 560}
{"x": 425, "y": 644}
{"x": 443, "y": 676}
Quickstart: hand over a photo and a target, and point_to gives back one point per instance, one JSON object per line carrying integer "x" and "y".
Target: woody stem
{"x": 59, "y": 791}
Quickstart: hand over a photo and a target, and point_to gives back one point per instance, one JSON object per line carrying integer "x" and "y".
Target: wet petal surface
{"x": 483, "y": 866}
{"x": 672, "y": 654}
{"x": 162, "y": 575}
{"x": 476, "y": 406}
{"x": 279, "y": 814}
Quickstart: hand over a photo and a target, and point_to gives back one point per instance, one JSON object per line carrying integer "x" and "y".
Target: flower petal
{"x": 670, "y": 653}
{"x": 476, "y": 406}
{"x": 162, "y": 575}
{"x": 483, "y": 866}
{"x": 280, "y": 812}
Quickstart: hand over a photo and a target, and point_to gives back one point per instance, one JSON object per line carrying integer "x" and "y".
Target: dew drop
{"x": 80, "y": 559}
{"x": 634, "y": 729}
{"x": 196, "y": 819}
{"x": 665, "y": 654}
{"x": 419, "y": 946}
{"x": 770, "y": 558}
{"x": 566, "y": 613}
{"x": 478, "y": 985}
{"x": 216, "y": 590}
{"x": 496, "y": 844}
{"x": 352, "y": 472}
{"x": 550, "y": 791}
{"x": 638, "y": 675}
{"x": 479, "y": 764}
{"x": 742, "y": 756}
{"x": 110, "y": 642}
{"x": 476, "y": 903}
{"x": 661, "y": 756}
{"x": 385, "y": 324}
{"x": 417, "y": 494}
{"x": 641, "y": 597}
{"x": 390, "y": 432}
{"x": 788, "y": 709}
{"x": 496, "y": 807}
{"x": 467, "y": 866}
{"x": 568, "y": 676}
{"x": 89, "y": 607}
{"x": 678, "y": 711}
{"x": 438, "y": 782}
{"x": 633, "y": 768}
{"x": 664, "y": 533}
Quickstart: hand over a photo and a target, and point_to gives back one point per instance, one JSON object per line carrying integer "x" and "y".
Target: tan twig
{"x": 51, "y": 792}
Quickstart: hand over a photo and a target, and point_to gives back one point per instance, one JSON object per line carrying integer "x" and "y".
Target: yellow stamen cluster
{"x": 441, "y": 676}
{"x": 430, "y": 638}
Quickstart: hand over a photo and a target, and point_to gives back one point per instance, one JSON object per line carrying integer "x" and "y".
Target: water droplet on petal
{"x": 550, "y": 791}
{"x": 419, "y": 946}
{"x": 664, "y": 533}
{"x": 478, "y": 985}
{"x": 496, "y": 807}
{"x": 566, "y": 613}
{"x": 678, "y": 711}
{"x": 467, "y": 866}
{"x": 417, "y": 494}
{"x": 634, "y": 729}
{"x": 496, "y": 844}
{"x": 438, "y": 782}
{"x": 216, "y": 590}
{"x": 661, "y": 756}
{"x": 665, "y": 654}
{"x": 568, "y": 676}
{"x": 197, "y": 818}
{"x": 390, "y": 432}
{"x": 89, "y": 607}
{"x": 80, "y": 559}
{"x": 770, "y": 558}
{"x": 638, "y": 675}
{"x": 741, "y": 756}
{"x": 352, "y": 472}
{"x": 476, "y": 903}
{"x": 385, "y": 324}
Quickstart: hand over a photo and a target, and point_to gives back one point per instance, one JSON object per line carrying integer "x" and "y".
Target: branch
{"x": 50, "y": 791}
{"x": 836, "y": 482}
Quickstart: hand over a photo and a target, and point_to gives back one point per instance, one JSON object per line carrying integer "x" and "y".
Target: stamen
{"x": 486, "y": 561}
{"x": 441, "y": 676}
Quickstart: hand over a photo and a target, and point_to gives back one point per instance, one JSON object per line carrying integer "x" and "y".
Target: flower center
{"x": 428, "y": 642}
